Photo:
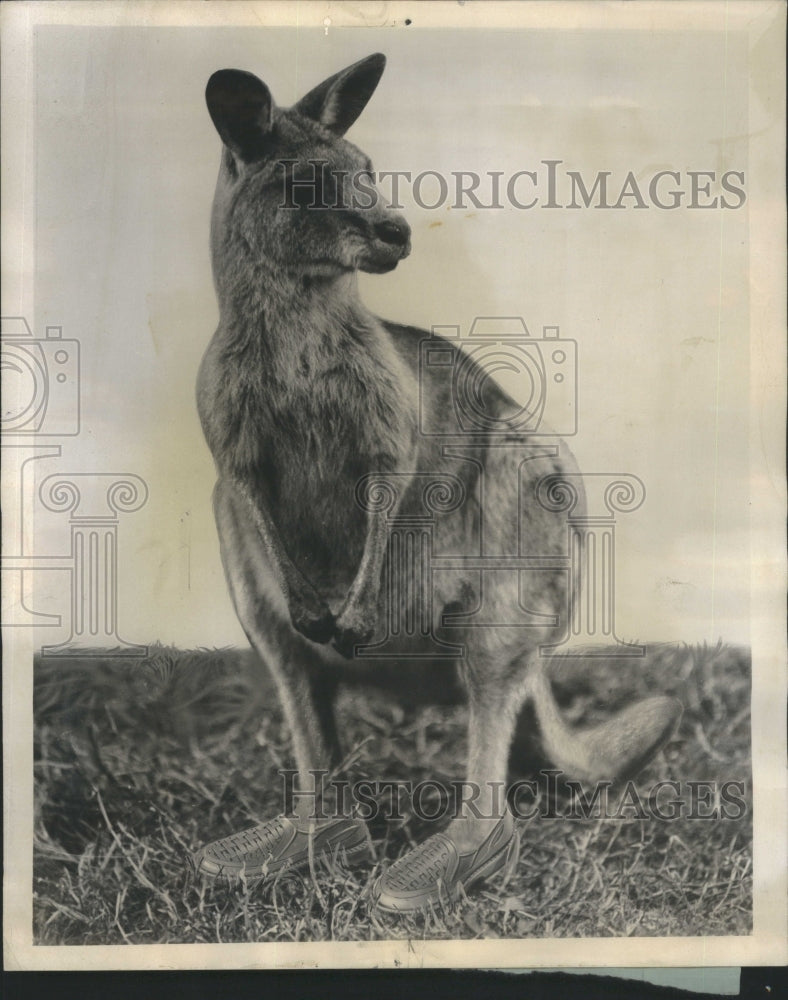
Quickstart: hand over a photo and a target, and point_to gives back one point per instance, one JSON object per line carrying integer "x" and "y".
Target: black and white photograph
{"x": 393, "y": 485}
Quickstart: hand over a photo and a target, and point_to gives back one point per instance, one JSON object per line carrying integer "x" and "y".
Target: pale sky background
{"x": 126, "y": 161}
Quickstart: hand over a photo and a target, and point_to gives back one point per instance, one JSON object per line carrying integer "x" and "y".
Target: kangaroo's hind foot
{"x": 282, "y": 845}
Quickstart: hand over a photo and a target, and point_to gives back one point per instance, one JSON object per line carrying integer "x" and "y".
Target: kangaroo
{"x": 310, "y": 406}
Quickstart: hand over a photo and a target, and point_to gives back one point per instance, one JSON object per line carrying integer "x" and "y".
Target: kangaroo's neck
{"x": 274, "y": 315}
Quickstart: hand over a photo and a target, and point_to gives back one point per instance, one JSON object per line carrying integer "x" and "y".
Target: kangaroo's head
{"x": 292, "y": 191}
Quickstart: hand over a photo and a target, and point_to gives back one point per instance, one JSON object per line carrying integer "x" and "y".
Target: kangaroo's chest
{"x": 304, "y": 435}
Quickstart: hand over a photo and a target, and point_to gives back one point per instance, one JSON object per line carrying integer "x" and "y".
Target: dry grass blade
{"x": 141, "y": 876}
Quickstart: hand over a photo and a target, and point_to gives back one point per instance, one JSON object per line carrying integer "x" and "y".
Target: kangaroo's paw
{"x": 313, "y": 619}
{"x": 354, "y": 627}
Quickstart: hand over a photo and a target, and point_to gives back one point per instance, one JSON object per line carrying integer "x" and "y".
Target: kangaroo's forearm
{"x": 309, "y": 613}
{"x": 286, "y": 573}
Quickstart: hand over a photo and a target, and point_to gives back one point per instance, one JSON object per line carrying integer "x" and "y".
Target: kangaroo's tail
{"x": 615, "y": 749}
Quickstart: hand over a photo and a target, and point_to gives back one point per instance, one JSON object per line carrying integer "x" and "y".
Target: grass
{"x": 137, "y": 763}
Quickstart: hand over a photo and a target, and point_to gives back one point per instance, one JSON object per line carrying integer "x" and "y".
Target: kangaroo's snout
{"x": 395, "y": 232}
{"x": 390, "y": 244}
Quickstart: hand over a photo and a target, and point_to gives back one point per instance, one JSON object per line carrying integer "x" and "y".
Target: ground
{"x": 138, "y": 762}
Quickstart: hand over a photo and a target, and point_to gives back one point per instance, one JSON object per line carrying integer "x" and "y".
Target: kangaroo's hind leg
{"x": 305, "y": 692}
{"x": 481, "y": 838}
{"x": 293, "y": 661}
{"x": 517, "y": 611}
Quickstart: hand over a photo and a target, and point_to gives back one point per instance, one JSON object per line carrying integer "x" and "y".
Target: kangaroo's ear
{"x": 241, "y": 107}
{"x": 338, "y": 101}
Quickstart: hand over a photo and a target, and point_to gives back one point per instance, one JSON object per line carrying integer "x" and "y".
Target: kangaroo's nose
{"x": 397, "y": 233}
